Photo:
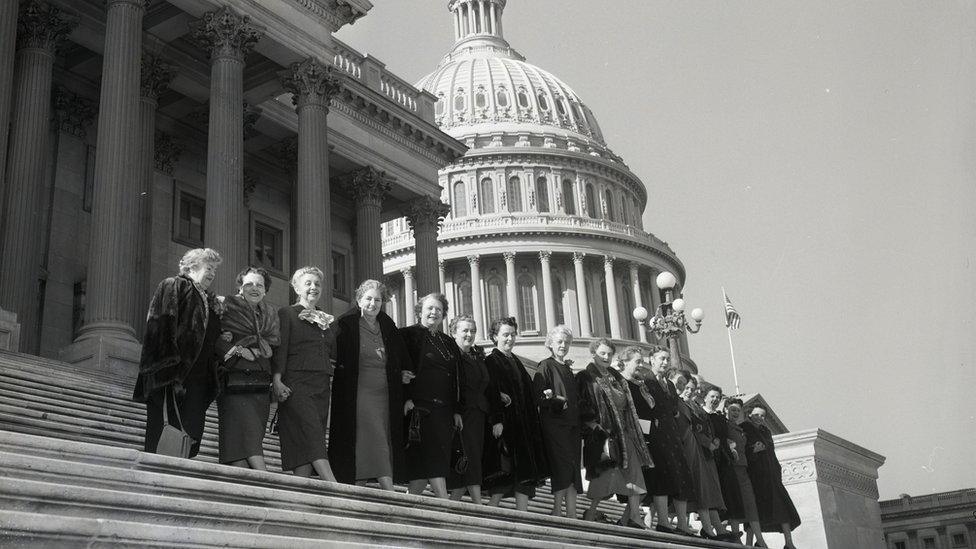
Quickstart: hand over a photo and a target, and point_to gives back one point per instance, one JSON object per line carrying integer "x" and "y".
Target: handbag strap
{"x": 176, "y": 408}
{"x": 457, "y": 433}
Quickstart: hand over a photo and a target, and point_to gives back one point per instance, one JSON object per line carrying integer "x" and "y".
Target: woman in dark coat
{"x": 433, "y": 405}
{"x": 301, "y": 378}
{"x": 670, "y": 477}
{"x": 724, "y": 461}
{"x": 366, "y": 429}
{"x": 482, "y": 409}
{"x": 178, "y": 365}
{"x": 606, "y": 408}
{"x": 250, "y": 330}
{"x": 520, "y": 446}
{"x": 776, "y": 510}
{"x": 736, "y": 415}
{"x": 555, "y": 385}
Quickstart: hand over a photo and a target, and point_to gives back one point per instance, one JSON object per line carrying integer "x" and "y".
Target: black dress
{"x": 482, "y": 409}
{"x": 670, "y": 475}
{"x": 521, "y": 441}
{"x": 303, "y": 359}
{"x": 346, "y": 388}
{"x": 560, "y": 423}
{"x": 696, "y": 436}
{"x": 772, "y": 500}
{"x": 725, "y": 464}
{"x": 434, "y": 360}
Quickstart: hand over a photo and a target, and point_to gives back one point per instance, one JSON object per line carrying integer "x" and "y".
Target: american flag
{"x": 731, "y": 315}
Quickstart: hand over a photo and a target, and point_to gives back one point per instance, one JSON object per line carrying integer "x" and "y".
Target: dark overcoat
{"x": 345, "y": 384}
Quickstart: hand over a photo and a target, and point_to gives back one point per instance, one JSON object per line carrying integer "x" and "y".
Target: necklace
{"x": 444, "y": 352}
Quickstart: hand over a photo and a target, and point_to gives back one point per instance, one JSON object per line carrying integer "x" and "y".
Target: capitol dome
{"x": 545, "y": 221}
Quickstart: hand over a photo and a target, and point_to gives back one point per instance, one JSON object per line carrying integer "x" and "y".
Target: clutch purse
{"x": 247, "y": 381}
{"x": 173, "y": 441}
{"x": 459, "y": 459}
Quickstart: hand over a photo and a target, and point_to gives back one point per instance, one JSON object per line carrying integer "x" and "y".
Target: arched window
{"x": 543, "y": 102}
{"x": 480, "y": 100}
{"x": 569, "y": 202}
{"x": 496, "y": 298}
{"x": 526, "y": 295}
{"x": 487, "y": 196}
{"x": 542, "y": 194}
{"x": 463, "y": 299}
{"x": 501, "y": 97}
{"x": 557, "y": 298}
{"x": 459, "y": 101}
{"x": 523, "y": 98}
{"x": 624, "y": 210}
{"x": 609, "y": 199}
{"x": 561, "y": 106}
{"x": 459, "y": 206}
{"x": 591, "y": 205}
{"x": 514, "y": 195}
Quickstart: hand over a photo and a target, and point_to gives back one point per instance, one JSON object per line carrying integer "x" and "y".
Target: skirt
{"x": 304, "y": 418}
{"x": 707, "y": 491}
{"x": 749, "y": 510}
{"x": 563, "y": 445}
{"x": 619, "y": 481}
{"x": 431, "y": 457}
{"x": 373, "y": 452}
{"x": 670, "y": 475}
{"x": 243, "y": 418}
{"x": 473, "y": 440}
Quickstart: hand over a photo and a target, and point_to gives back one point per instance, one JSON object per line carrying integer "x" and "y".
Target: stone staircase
{"x": 73, "y": 475}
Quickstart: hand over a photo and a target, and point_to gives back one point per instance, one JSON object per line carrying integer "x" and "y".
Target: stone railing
{"x": 488, "y": 224}
{"x": 348, "y": 60}
{"x": 931, "y": 500}
{"x": 399, "y": 91}
{"x": 375, "y": 76}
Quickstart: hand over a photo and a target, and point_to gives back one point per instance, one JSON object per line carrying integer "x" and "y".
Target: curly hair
{"x": 304, "y": 271}
{"x": 595, "y": 344}
{"x": 259, "y": 270}
{"x": 370, "y": 284}
{"x": 497, "y": 325}
{"x": 419, "y": 306}
{"x": 655, "y": 349}
{"x": 561, "y": 329}
{"x": 196, "y": 256}
{"x": 453, "y": 325}
{"x": 629, "y": 352}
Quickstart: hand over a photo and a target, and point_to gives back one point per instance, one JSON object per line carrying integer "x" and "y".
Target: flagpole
{"x": 735, "y": 376}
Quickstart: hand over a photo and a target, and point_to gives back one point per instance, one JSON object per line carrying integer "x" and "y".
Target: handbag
{"x": 459, "y": 458}
{"x": 246, "y": 381}
{"x": 172, "y": 441}
{"x": 498, "y": 473}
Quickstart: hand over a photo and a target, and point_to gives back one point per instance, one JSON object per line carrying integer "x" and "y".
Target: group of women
{"x": 361, "y": 400}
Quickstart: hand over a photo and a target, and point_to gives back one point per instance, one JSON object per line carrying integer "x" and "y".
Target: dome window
{"x": 459, "y": 102}
{"x": 569, "y": 202}
{"x": 501, "y": 98}
{"x": 459, "y": 206}
{"x": 561, "y": 106}
{"x": 487, "y": 196}
{"x": 479, "y": 99}
{"x": 514, "y": 195}
{"x": 543, "y": 102}
{"x": 439, "y": 106}
{"x": 523, "y": 99}
{"x": 609, "y": 199}
{"x": 542, "y": 194}
{"x": 590, "y": 201}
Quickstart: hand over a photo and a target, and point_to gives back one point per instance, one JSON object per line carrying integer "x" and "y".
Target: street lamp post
{"x": 669, "y": 320}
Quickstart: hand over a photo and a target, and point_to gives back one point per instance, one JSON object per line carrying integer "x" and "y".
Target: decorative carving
{"x": 250, "y": 184}
{"x": 367, "y": 184}
{"x": 42, "y": 25}
{"x": 407, "y": 272}
{"x": 812, "y": 468}
{"x": 335, "y": 13}
{"x": 311, "y": 83}
{"x": 426, "y": 213}
{"x": 509, "y": 257}
{"x": 156, "y": 75}
{"x": 251, "y": 116}
{"x": 578, "y": 257}
{"x": 544, "y": 256}
{"x": 608, "y": 261}
{"x": 226, "y": 34}
{"x": 72, "y": 113}
{"x": 167, "y": 153}
{"x": 474, "y": 260}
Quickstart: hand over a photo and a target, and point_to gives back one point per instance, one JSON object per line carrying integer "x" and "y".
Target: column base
{"x": 9, "y": 331}
{"x": 108, "y": 358}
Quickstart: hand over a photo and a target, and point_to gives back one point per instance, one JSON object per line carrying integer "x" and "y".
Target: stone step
{"x": 46, "y": 477}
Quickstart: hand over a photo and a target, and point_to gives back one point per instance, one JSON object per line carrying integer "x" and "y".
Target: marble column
{"x": 548, "y": 300}
{"x": 638, "y": 300}
{"x": 368, "y": 186}
{"x": 612, "y": 309}
{"x": 494, "y": 18}
{"x": 155, "y": 77}
{"x": 313, "y": 85}
{"x": 425, "y": 215}
{"x": 8, "y": 49}
{"x": 442, "y": 276}
{"x": 228, "y": 37}
{"x": 40, "y": 28}
{"x": 474, "y": 261}
{"x": 511, "y": 285}
{"x": 581, "y": 300}
{"x": 408, "y": 296}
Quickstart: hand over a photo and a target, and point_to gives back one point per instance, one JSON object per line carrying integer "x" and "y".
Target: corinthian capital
{"x": 426, "y": 213}
{"x": 311, "y": 83}
{"x": 225, "y": 33}
{"x": 367, "y": 184}
{"x": 41, "y": 25}
{"x": 156, "y": 75}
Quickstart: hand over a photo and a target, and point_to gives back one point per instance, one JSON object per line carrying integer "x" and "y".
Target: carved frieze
{"x": 225, "y": 34}
{"x": 42, "y": 25}
{"x": 810, "y": 468}
{"x": 72, "y": 113}
{"x": 367, "y": 185}
{"x": 426, "y": 213}
{"x": 155, "y": 76}
{"x": 167, "y": 152}
{"x": 311, "y": 82}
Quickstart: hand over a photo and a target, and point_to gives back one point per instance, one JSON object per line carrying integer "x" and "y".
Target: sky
{"x": 818, "y": 160}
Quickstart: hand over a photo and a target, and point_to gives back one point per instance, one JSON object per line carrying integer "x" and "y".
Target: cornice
{"x": 811, "y": 468}
{"x": 334, "y": 14}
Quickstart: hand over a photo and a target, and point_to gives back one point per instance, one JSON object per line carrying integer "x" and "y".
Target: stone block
{"x": 106, "y": 357}
{"x": 9, "y": 331}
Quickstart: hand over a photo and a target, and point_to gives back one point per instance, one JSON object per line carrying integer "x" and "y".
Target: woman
{"x": 178, "y": 363}
{"x": 301, "y": 376}
{"x": 482, "y": 407}
{"x": 724, "y": 461}
{"x": 698, "y": 444}
{"x": 366, "y": 430}
{"x": 432, "y": 405}
{"x": 750, "y": 513}
{"x": 607, "y": 410}
{"x": 555, "y": 386}
{"x": 250, "y": 329}
{"x": 776, "y": 510}
{"x": 520, "y": 446}
{"x": 670, "y": 477}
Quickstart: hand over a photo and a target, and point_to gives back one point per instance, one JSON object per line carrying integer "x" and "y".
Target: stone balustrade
{"x": 374, "y": 75}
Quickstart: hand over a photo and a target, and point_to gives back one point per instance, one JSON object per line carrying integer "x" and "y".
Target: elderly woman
{"x": 776, "y": 510}
{"x": 614, "y": 452}
{"x": 301, "y": 372}
{"x": 482, "y": 407}
{"x": 178, "y": 365}
{"x": 698, "y": 445}
{"x": 433, "y": 406}
{"x": 366, "y": 433}
{"x": 737, "y": 438}
{"x": 520, "y": 446}
{"x": 657, "y": 402}
{"x": 555, "y": 386}
{"x": 724, "y": 457}
{"x": 250, "y": 329}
